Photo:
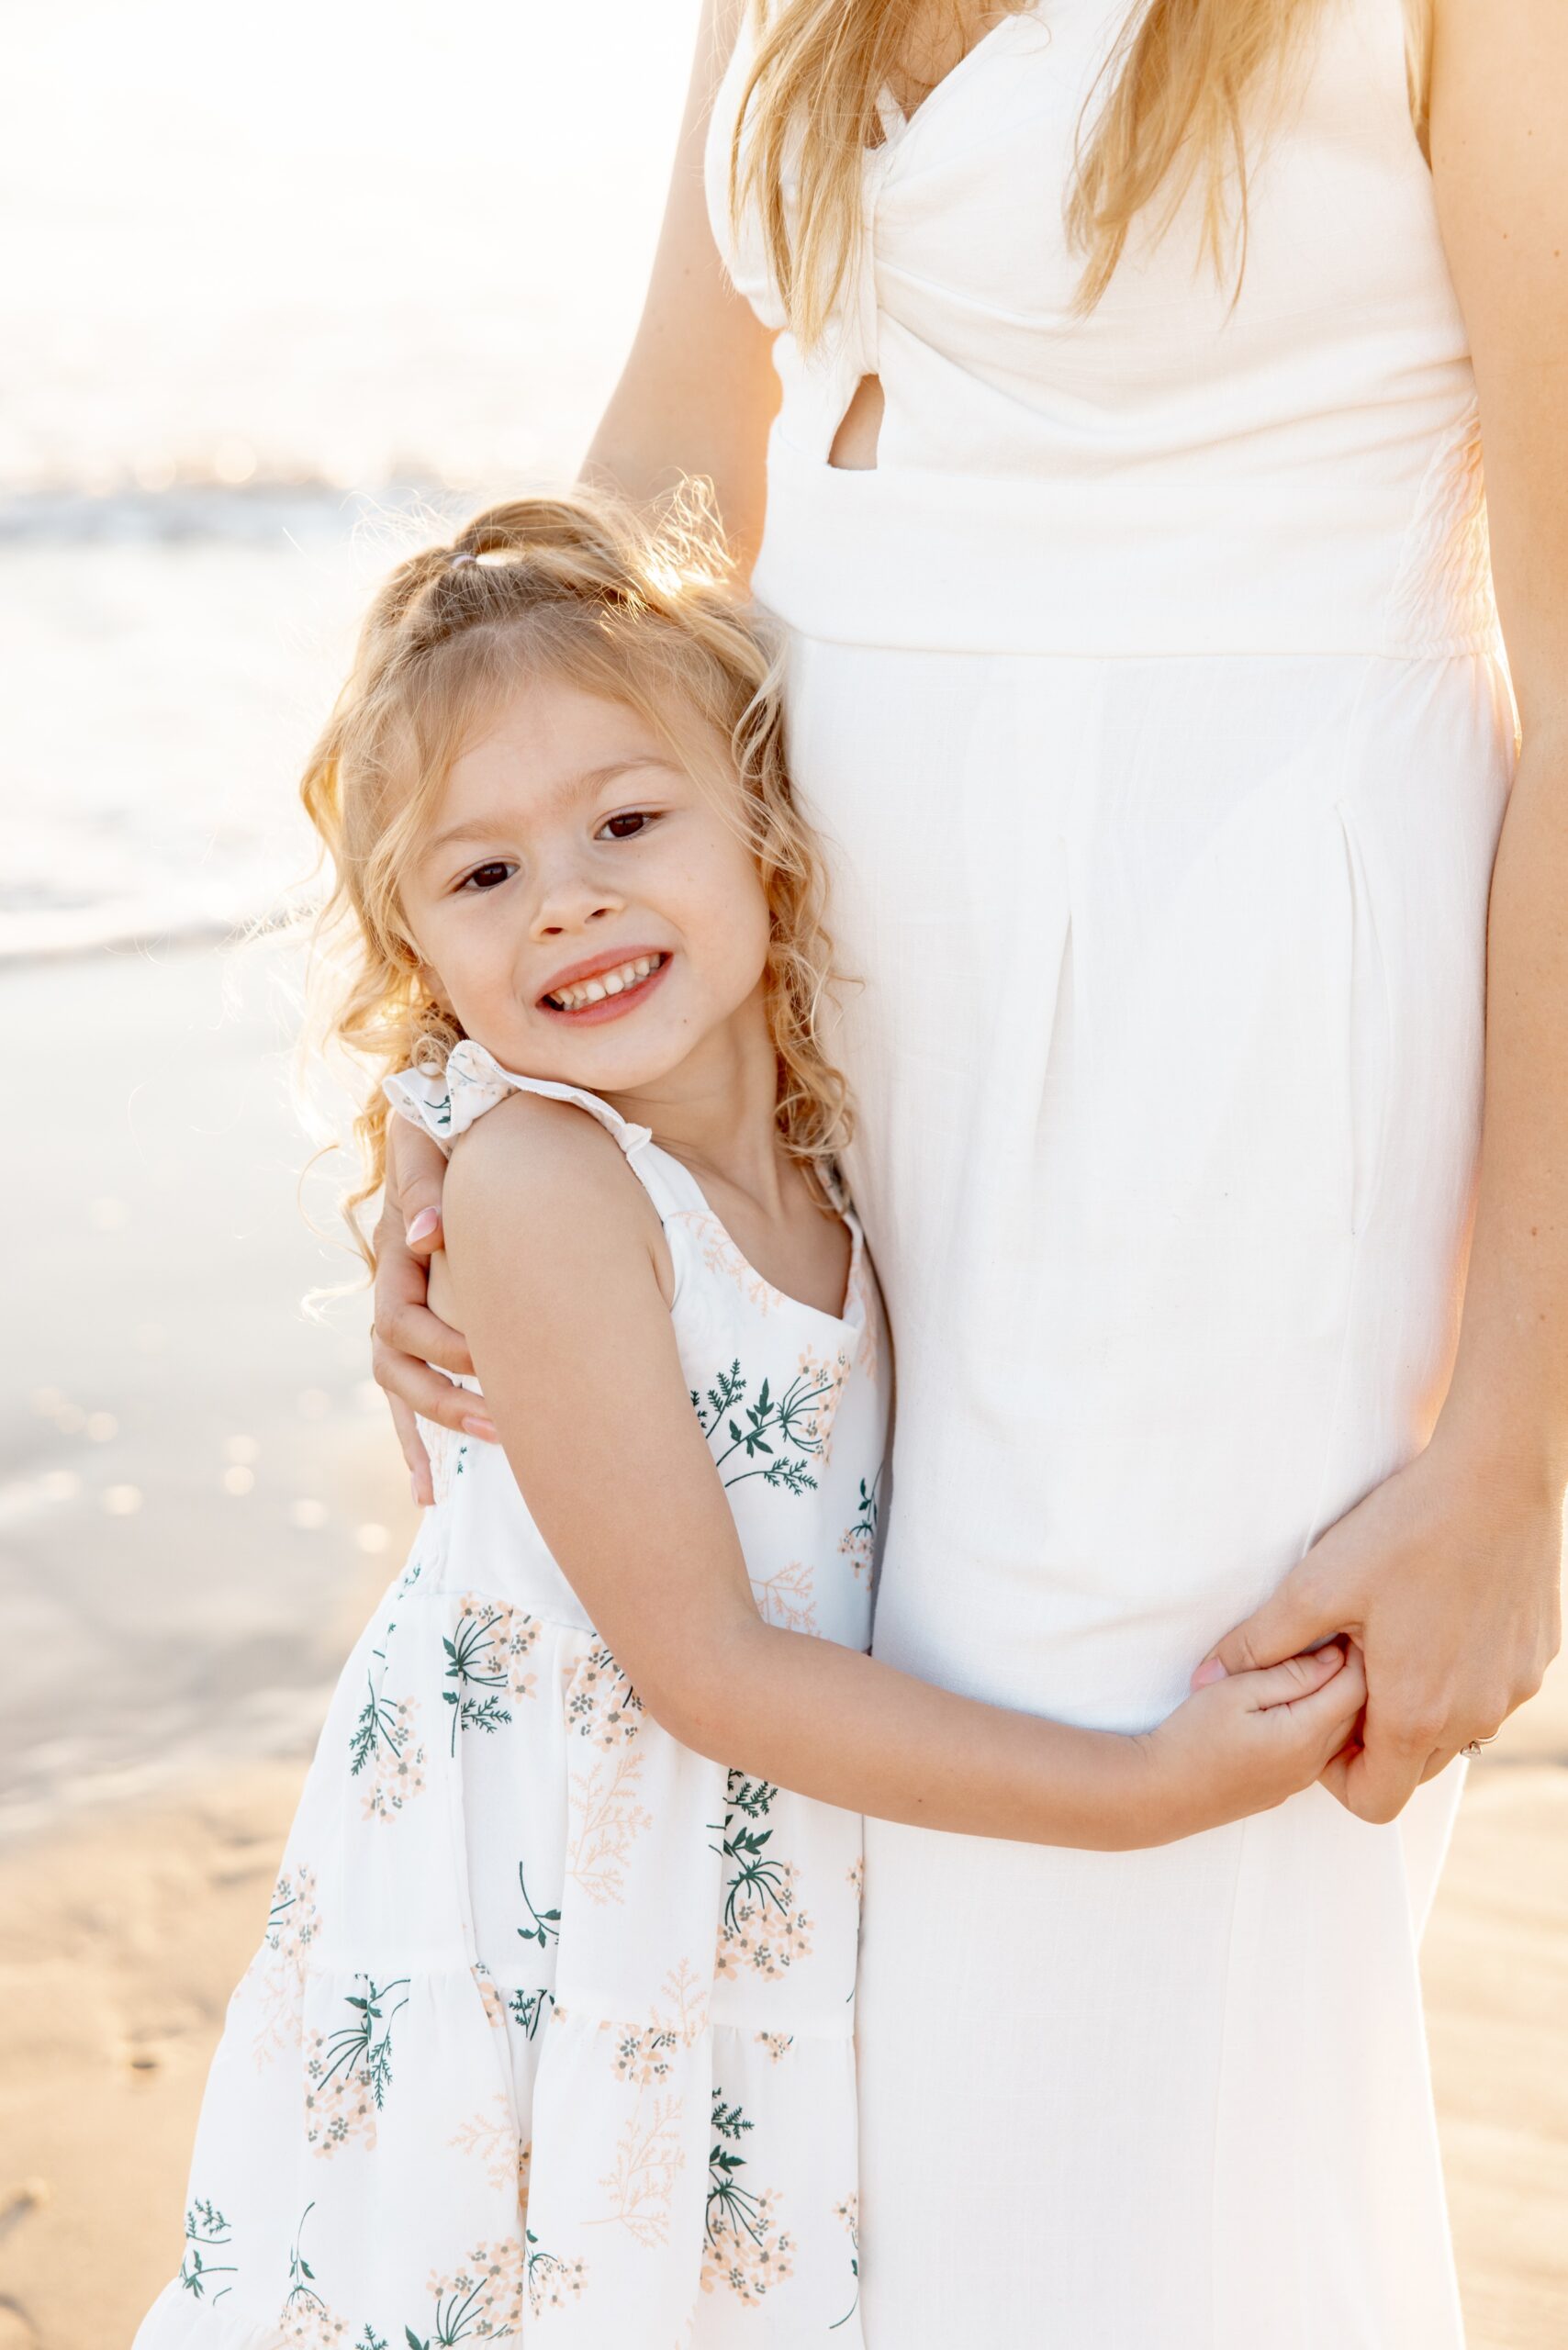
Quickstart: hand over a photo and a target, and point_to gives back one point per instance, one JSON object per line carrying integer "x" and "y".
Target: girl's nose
{"x": 571, "y": 902}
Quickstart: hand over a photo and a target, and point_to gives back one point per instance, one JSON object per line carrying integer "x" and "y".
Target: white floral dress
{"x": 549, "y": 2032}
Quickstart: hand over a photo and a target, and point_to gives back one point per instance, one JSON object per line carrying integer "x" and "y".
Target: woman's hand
{"x": 1242, "y": 1743}
{"x": 409, "y": 1338}
{"x": 1448, "y": 1577}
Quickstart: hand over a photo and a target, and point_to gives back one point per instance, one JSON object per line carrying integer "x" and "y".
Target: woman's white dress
{"x": 1150, "y": 691}
{"x": 549, "y": 2036}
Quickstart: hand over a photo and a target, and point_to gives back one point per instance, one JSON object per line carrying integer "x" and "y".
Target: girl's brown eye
{"x": 488, "y": 877}
{"x": 625, "y": 828}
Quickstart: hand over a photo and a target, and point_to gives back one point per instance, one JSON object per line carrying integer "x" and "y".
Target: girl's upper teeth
{"x": 603, "y": 983}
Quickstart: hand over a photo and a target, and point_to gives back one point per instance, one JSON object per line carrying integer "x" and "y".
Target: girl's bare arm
{"x": 549, "y": 1232}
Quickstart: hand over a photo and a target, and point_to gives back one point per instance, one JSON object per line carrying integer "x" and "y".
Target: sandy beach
{"x": 201, "y": 1498}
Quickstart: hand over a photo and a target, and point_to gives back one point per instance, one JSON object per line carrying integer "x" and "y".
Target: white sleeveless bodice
{"x": 1297, "y": 472}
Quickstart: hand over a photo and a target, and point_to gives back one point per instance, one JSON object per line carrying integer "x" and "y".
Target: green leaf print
{"x": 378, "y": 1726}
{"x": 791, "y": 1420}
{"x": 729, "y": 2208}
{"x": 864, "y": 1525}
{"x": 722, "y": 1397}
{"x": 546, "y": 1926}
{"x": 474, "y": 1662}
{"x": 528, "y": 2008}
{"x": 301, "y": 2276}
{"x": 206, "y": 2230}
{"x": 356, "y": 2049}
{"x": 754, "y": 1877}
{"x": 849, "y": 2213}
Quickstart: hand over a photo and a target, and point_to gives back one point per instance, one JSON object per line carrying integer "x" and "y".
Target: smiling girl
{"x": 551, "y": 2026}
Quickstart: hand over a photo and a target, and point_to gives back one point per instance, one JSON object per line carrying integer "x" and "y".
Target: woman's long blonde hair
{"x": 640, "y": 611}
{"x": 1169, "y": 112}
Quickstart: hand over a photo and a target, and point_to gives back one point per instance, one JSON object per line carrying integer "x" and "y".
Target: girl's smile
{"x": 602, "y": 988}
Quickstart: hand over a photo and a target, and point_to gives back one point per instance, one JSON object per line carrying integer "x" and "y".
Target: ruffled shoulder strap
{"x": 446, "y": 1103}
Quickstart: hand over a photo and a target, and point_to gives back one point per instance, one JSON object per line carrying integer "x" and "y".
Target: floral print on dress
{"x": 207, "y": 2234}
{"x": 721, "y": 1256}
{"x": 276, "y": 1975}
{"x": 484, "y": 1653}
{"x": 858, "y": 1545}
{"x": 848, "y": 2213}
{"x": 608, "y": 1816}
{"x": 519, "y": 1927}
{"x": 774, "y": 1434}
{"x": 763, "y": 1929}
{"x": 385, "y": 1750}
{"x": 481, "y": 2301}
{"x": 785, "y": 1598}
{"x": 491, "y": 2139}
{"x": 348, "y": 2071}
{"x": 602, "y": 1703}
{"x": 743, "y": 2250}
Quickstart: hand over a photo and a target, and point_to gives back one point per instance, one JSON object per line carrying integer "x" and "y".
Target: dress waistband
{"x": 962, "y": 563}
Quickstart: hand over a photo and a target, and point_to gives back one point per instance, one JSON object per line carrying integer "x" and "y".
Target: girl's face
{"x": 580, "y": 901}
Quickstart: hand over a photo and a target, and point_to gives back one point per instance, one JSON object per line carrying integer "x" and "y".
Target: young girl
{"x": 551, "y": 2028}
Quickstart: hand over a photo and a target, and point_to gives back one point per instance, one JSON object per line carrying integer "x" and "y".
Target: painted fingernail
{"x": 423, "y": 1224}
{"x": 486, "y": 1429}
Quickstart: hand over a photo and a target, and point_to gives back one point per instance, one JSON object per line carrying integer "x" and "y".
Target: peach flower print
{"x": 348, "y": 2071}
{"x": 744, "y": 2249}
{"x": 277, "y": 1972}
{"x": 601, "y": 1704}
{"x": 386, "y": 1750}
{"x": 608, "y": 1816}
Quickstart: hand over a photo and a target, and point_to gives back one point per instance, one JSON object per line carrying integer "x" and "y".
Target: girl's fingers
{"x": 1327, "y": 1711}
{"x": 1297, "y": 1677}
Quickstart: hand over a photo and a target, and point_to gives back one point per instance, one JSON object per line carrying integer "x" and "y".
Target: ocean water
{"x": 277, "y": 292}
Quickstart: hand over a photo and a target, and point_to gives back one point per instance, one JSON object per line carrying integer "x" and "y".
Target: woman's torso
{"x": 1291, "y": 466}
{"x": 1148, "y": 692}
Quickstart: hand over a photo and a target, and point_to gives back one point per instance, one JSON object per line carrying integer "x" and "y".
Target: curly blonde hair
{"x": 642, "y": 610}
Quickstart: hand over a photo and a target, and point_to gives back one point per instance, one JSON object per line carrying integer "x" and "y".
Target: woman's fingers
{"x": 416, "y": 1171}
{"x": 1294, "y": 1616}
{"x": 411, "y": 1444}
{"x": 408, "y": 1381}
{"x": 403, "y": 1322}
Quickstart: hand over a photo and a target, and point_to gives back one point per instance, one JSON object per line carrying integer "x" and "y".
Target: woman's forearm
{"x": 1508, "y": 1398}
{"x": 831, "y": 1723}
{"x": 698, "y": 393}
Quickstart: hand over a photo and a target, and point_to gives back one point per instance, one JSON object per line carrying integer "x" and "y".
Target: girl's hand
{"x": 1448, "y": 1577}
{"x": 408, "y": 1336}
{"x": 1245, "y": 1742}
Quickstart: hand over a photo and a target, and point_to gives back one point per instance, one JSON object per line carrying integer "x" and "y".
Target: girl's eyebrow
{"x": 574, "y": 787}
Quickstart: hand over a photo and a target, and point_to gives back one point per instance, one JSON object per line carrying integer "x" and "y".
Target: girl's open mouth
{"x": 606, "y": 992}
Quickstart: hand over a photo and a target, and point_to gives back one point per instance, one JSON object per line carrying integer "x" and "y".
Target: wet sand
{"x": 168, "y": 1658}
